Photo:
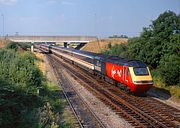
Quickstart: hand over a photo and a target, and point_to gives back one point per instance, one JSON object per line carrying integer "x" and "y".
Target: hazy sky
{"x": 81, "y": 17}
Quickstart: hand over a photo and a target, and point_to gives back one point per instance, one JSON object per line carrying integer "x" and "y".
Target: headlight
{"x": 144, "y": 82}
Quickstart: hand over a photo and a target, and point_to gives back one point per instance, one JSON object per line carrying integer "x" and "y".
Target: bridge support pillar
{"x": 66, "y": 44}
{"x": 32, "y": 47}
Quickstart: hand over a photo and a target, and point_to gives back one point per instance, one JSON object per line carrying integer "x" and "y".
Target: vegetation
{"x": 158, "y": 46}
{"x": 26, "y": 98}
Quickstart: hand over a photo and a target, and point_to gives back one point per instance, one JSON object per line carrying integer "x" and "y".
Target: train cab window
{"x": 128, "y": 72}
{"x": 141, "y": 71}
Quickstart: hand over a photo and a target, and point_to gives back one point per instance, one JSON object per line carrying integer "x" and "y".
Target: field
{"x": 98, "y": 46}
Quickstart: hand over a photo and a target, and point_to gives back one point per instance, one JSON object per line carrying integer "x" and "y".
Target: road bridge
{"x": 79, "y": 40}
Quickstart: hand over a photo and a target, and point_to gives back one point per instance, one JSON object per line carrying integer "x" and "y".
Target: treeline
{"x": 26, "y": 100}
{"x": 117, "y": 36}
{"x": 158, "y": 46}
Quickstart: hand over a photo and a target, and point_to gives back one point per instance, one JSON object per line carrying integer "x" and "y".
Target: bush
{"x": 169, "y": 69}
{"x": 12, "y": 45}
{"x": 19, "y": 69}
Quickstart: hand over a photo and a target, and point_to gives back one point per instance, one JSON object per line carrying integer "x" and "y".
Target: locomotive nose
{"x": 141, "y": 79}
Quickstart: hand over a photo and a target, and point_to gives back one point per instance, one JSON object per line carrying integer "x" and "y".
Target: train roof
{"x": 113, "y": 59}
{"x": 126, "y": 62}
{"x": 121, "y": 61}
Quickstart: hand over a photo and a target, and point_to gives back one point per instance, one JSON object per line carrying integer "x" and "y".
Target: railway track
{"x": 82, "y": 112}
{"x": 139, "y": 111}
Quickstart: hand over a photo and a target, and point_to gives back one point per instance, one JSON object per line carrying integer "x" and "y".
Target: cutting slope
{"x": 97, "y": 46}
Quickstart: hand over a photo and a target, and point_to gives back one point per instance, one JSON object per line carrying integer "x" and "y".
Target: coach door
{"x": 125, "y": 73}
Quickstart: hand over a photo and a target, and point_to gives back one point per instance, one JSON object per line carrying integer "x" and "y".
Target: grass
{"x": 60, "y": 105}
{"x": 69, "y": 120}
{"x": 66, "y": 117}
{"x": 53, "y": 87}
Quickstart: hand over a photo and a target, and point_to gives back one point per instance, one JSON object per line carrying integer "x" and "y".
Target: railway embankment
{"x": 27, "y": 98}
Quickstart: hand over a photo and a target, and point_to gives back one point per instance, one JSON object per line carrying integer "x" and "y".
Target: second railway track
{"x": 82, "y": 112}
{"x": 139, "y": 111}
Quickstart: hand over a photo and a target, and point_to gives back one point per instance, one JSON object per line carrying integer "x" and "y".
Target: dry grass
{"x": 2, "y": 43}
{"x": 41, "y": 64}
{"x": 98, "y": 46}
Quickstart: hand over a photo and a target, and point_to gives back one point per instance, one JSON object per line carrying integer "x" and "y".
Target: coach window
{"x": 98, "y": 63}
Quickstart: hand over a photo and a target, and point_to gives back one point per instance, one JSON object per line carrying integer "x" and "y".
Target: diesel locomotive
{"x": 132, "y": 73}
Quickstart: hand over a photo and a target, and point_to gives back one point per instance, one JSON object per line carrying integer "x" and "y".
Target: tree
{"x": 156, "y": 39}
{"x": 170, "y": 69}
{"x": 161, "y": 31}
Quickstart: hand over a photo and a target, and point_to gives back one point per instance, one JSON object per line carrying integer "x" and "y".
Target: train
{"x": 134, "y": 74}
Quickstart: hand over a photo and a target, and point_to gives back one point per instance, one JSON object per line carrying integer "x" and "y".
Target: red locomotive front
{"x": 137, "y": 82}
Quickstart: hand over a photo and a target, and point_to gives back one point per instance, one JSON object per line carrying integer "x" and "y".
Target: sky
{"x": 100, "y": 18}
